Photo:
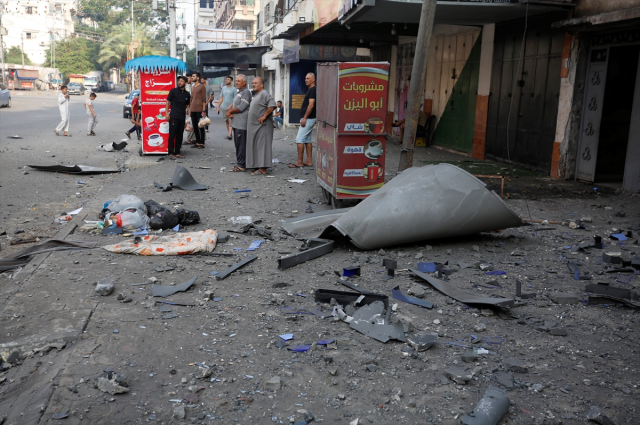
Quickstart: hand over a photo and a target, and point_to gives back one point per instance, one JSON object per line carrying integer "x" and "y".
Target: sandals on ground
{"x": 237, "y": 169}
{"x": 258, "y": 173}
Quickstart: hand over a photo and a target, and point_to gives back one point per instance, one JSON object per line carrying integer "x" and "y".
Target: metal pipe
{"x": 417, "y": 84}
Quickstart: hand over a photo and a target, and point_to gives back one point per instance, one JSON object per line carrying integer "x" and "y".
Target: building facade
{"x": 32, "y": 25}
{"x": 230, "y": 14}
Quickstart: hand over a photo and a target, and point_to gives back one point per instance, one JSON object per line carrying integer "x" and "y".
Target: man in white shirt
{"x": 63, "y": 104}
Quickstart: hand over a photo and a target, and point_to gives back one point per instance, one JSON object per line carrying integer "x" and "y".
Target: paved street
{"x": 550, "y": 377}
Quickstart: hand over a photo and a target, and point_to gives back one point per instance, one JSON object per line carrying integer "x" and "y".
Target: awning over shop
{"x": 292, "y": 32}
{"x": 462, "y": 12}
{"x": 155, "y": 63}
{"x": 250, "y": 57}
{"x": 27, "y": 74}
{"x": 602, "y": 21}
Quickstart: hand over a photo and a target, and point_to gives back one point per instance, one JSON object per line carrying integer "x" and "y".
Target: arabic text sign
{"x": 362, "y": 101}
{"x": 155, "y": 85}
{"x": 327, "y": 53}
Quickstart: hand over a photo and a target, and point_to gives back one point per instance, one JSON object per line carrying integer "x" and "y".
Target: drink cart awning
{"x": 155, "y": 63}
{"x": 27, "y": 74}
{"x": 250, "y": 57}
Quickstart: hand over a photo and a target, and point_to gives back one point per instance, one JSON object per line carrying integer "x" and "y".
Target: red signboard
{"x": 155, "y": 87}
{"x": 350, "y": 161}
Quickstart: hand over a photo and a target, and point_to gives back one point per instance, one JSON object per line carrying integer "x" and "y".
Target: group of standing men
{"x": 249, "y": 116}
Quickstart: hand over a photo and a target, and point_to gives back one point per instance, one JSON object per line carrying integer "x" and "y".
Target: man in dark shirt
{"x": 307, "y": 122}
{"x": 278, "y": 116}
{"x": 176, "y": 113}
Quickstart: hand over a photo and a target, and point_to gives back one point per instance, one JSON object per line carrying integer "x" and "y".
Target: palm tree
{"x": 116, "y": 50}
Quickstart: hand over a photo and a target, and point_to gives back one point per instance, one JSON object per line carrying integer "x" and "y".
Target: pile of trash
{"x": 128, "y": 213}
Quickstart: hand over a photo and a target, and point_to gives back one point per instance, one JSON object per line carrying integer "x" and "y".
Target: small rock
{"x": 105, "y": 286}
{"x": 416, "y": 291}
{"x": 273, "y": 384}
{"x": 342, "y": 396}
{"x": 422, "y": 341}
{"x": 469, "y": 357}
{"x": 458, "y": 375}
{"x": 223, "y": 237}
{"x": 475, "y": 248}
{"x": 428, "y": 247}
{"x": 418, "y": 256}
{"x": 412, "y": 403}
{"x": 518, "y": 253}
{"x": 505, "y": 379}
{"x": 203, "y": 372}
{"x": 595, "y": 414}
{"x": 537, "y": 388}
{"x": 178, "y": 412}
{"x": 111, "y": 386}
{"x": 382, "y": 252}
{"x": 436, "y": 322}
{"x": 480, "y": 327}
{"x": 515, "y": 365}
{"x": 202, "y": 415}
{"x": 586, "y": 219}
{"x": 371, "y": 367}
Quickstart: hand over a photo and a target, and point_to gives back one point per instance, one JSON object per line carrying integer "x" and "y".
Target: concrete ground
{"x": 555, "y": 378}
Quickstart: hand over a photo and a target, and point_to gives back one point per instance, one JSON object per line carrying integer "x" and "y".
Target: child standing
{"x": 91, "y": 114}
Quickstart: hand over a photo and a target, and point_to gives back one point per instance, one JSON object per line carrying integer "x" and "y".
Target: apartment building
{"x": 230, "y": 14}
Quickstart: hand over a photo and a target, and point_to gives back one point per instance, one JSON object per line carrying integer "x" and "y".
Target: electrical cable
{"x": 513, "y": 92}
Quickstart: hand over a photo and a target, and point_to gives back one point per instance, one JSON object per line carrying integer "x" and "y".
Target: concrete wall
{"x": 594, "y": 7}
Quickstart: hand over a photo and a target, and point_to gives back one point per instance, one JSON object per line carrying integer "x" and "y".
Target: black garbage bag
{"x": 163, "y": 220}
{"x": 187, "y": 217}
{"x": 153, "y": 208}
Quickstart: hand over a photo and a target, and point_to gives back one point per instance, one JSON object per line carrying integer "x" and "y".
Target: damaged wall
{"x": 594, "y": 7}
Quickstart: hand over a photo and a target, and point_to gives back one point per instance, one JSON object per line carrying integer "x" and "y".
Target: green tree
{"x": 115, "y": 51}
{"x": 74, "y": 56}
{"x": 14, "y": 55}
{"x": 192, "y": 60}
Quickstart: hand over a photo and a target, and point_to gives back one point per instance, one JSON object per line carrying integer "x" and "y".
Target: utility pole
{"x": 22, "y": 46}
{"x": 172, "y": 29}
{"x": 2, "y": 33}
{"x": 417, "y": 84}
{"x": 133, "y": 52}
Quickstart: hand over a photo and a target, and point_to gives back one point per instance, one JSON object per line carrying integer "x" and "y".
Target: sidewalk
{"x": 158, "y": 352}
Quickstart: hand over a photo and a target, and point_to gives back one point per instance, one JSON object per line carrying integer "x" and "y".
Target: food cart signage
{"x": 155, "y": 86}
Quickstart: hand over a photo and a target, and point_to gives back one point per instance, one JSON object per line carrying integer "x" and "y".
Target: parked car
{"x": 110, "y": 85}
{"x": 76, "y": 88}
{"x": 126, "y": 107}
{"x": 5, "y": 96}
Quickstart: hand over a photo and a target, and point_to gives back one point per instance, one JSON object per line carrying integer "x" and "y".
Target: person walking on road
{"x": 209, "y": 95}
{"x": 260, "y": 129}
{"x": 227, "y": 94}
{"x": 91, "y": 114}
{"x": 278, "y": 116}
{"x": 135, "y": 110}
{"x": 198, "y": 108}
{"x": 178, "y": 101}
{"x": 308, "y": 120}
{"x": 238, "y": 113}
{"x": 63, "y": 104}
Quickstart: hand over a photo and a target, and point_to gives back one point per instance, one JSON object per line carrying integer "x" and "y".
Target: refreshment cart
{"x": 351, "y": 111}
{"x": 158, "y": 75}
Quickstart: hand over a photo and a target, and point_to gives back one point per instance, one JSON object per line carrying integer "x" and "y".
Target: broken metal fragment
{"x": 369, "y": 321}
{"x": 165, "y": 291}
{"x": 449, "y": 200}
{"x": 75, "y": 169}
{"x": 460, "y": 295}
{"x": 391, "y": 266}
{"x": 345, "y": 298}
{"x": 422, "y": 342}
{"x": 490, "y": 409}
{"x": 398, "y": 295}
{"x": 595, "y": 414}
{"x": 182, "y": 179}
{"x": 519, "y": 293}
{"x": 235, "y": 267}
{"x": 301, "y": 224}
{"x": 316, "y": 248}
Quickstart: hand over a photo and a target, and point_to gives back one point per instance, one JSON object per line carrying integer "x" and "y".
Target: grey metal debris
{"x": 430, "y": 202}
{"x": 105, "y": 286}
{"x": 460, "y": 295}
{"x": 182, "y": 179}
{"x": 315, "y": 248}
{"x": 304, "y": 223}
{"x": 165, "y": 291}
{"x": 235, "y": 267}
{"x": 75, "y": 169}
{"x": 490, "y": 409}
{"x": 369, "y": 321}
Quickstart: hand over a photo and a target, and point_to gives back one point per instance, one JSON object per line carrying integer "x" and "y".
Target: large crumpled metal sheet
{"x": 74, "y": 169}
{"x": 431, "y": 202}
{"x": 23, "y": 257}
{"x": 303, "y": 223}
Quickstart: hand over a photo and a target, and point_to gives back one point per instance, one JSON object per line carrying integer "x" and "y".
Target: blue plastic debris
{"x": 427, "y": 267}
{"x": 299, "y": 348}
{"x": 177, "y": 228}
{"x": 254, "y": 245}
{"x": 496, "y": 273}
{"x": 351, "y": 271}
{"x": 493, "y": 340}
{"x": 286, "y": 337}
{"x": 214, "y": 272}
{"x": 217, "y": 299}
{"x": 141, "y": 232}
{"x": 326, "y": 341}
{"x": 302, "y": 295}
{"x": 81, "y": 182}
{"x": 398, "y": 295}
{"x": 237, "y": 249}
{"x": 618, "y": 236}
{"x": 242, "y": 190}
